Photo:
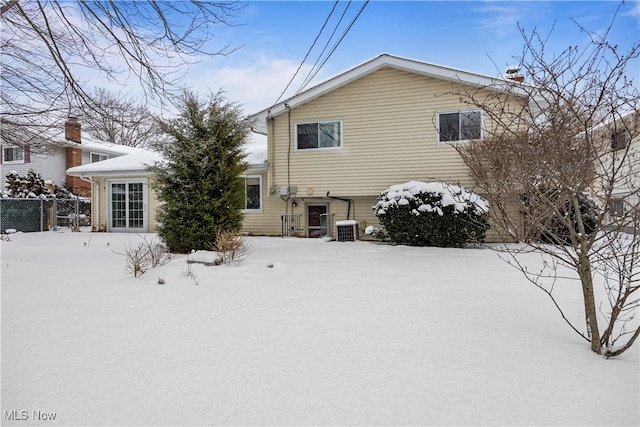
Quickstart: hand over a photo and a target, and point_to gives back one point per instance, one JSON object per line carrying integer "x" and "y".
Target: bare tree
{"x": 49, "y": 48}
{"x": 120, "y": 121}
{"x": 553, "y": 168}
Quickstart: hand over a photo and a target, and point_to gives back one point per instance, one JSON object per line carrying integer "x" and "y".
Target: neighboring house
{"x": 59, "y": 153}
{"x": 330, "y": 151}
{"x": 624, "y": 137}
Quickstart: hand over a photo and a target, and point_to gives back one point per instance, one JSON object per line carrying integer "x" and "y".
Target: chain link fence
{"x": 30, "y": 215}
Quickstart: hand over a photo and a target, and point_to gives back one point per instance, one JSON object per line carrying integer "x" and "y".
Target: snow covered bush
{"x": 376, "y": 233}
{"x": 31, "y": 186}
{"x": 432, "y": 214}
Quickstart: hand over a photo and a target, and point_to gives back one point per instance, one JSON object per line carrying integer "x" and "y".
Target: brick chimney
{"x": 72, "y": 130}
{"x": 513, "y": 73}
{"x": 74, "y": 157}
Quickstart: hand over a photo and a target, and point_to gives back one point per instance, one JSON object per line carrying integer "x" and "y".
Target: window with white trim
{"x": 13, "y": 155}
{"x": 97, "y": 157}
{"x": 252, "y": 193}
{"x": 319, "y": 135}
{"x": 459, "y": 126}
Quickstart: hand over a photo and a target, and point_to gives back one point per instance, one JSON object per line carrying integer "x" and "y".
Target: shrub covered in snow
{"x": 32, "y": 186}
{"x": 555, "y": 229}
{"x": 376, "y": 233}
{"x": 432, "y": 214}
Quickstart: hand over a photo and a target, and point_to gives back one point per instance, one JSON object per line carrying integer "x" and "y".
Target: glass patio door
{"x": 127, "y": 207}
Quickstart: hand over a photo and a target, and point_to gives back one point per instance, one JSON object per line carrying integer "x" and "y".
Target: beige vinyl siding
{"x": 389, "y": 136}
{"x": 267, "y": 222}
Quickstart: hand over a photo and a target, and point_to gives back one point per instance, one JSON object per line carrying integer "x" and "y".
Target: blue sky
{"x": 479, "y": 36}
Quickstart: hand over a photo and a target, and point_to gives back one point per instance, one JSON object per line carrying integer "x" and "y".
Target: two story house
{"x": 335, "y": 147}
{"x": 332, "y": 149}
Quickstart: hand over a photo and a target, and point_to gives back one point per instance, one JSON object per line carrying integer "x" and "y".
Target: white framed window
{"x": 13, "y": 155}
{"x": 97, "y": 157}
{"x": 459, "y": 126}
{"x": 252, "y": 193}
{"x": 319, "y": 135}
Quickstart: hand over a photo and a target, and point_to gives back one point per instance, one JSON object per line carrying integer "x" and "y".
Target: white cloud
{"x": 255, "y": 83}
{"x": 498, "y": 18}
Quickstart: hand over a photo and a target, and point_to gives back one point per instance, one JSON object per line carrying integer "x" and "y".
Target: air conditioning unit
{"x": 347, "y": 230}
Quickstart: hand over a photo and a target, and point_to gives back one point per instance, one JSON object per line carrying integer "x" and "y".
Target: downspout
{"x": 97, "y": 198}
{"x": 289, "y": 155}
{"x": 350, "y": 201}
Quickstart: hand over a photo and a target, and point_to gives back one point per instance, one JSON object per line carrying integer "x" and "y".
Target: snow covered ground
{"x": 303, "y": 332}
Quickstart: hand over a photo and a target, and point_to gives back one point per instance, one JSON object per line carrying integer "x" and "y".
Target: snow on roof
{"x": 90, "y": 144}
{"x": 256, "y": 150}
{"x": 137, "y": 163}
{"x": 383, "y": 60}
{"x": 139, "y": 160}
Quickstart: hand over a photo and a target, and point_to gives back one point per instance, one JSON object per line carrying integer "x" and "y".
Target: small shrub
{"x": 432, "y": 214}
{"x": 137, "y": 260}
{"x": 230, "y": 246}
{"x": 148, "y": 254}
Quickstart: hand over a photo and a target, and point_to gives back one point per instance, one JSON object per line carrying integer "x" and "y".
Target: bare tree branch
{"x": 51, "y": 48}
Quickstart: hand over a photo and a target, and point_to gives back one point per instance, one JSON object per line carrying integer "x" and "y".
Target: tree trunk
{"x": 590, "y": 311}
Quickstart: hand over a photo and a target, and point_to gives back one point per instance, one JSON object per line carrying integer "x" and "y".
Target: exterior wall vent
{"x": 347, "y": 230}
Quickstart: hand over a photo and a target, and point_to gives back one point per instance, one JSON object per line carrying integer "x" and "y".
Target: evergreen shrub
{"x": 564, "y": 223}
{"x": 432, "y": 214}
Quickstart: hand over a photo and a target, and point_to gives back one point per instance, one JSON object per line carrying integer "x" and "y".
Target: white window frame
{"x": 438, "y": 113}
{"x": 318, "y": 122}
{"x": 12, "y": 162}
{"x": 245, "y": 210}
{"x": 100, "y": 155}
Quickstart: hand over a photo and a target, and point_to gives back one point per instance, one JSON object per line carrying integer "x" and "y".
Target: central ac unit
{"x": 347, "y": 230}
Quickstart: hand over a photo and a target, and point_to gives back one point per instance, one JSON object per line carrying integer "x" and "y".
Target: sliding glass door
{"x": 127, "y": 205}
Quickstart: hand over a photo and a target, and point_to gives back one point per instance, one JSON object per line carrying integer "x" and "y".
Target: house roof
{"x": 93, "y": 145}
{"x": 381, "y": 61}
{"x": 138, "y": 162}
{"x": 135, "y": 163}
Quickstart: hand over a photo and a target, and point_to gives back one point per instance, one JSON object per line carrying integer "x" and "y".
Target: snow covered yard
{"x": 332, "y": 333}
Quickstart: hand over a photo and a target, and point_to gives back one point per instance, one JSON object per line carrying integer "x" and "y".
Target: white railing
{"x": 290, "y": 224}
